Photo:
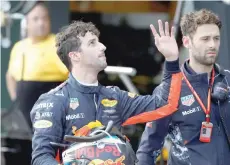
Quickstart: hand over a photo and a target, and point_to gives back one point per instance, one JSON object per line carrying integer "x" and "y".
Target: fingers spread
{"x": 154, "y": 31}
{"x": 161, "y": 30}
{"x": 166, "y": 28}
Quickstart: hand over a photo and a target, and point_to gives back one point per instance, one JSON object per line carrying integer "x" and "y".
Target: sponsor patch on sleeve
{"x": 44, "y": 105}
{"x": 43, "y": 124}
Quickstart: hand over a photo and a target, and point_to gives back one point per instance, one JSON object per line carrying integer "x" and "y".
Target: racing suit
{"x": 72, "y": 105}
{"x": 183, "y": 127}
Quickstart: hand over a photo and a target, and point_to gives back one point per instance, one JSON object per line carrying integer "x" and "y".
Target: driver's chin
{"x": 104, "y": 65}
{"x": 101, "y": 66}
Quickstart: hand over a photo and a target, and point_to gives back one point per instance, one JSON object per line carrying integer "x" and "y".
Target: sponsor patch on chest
{"x": 74, "y": 103}
{"x": 75, "y": 116}
{"x": 192, "y": 110}
{"x": 187, "y": 100}
{"x": 109, "y": 103}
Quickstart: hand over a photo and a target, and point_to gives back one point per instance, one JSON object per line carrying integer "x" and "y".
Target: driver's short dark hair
{"x": 68, "y": 40}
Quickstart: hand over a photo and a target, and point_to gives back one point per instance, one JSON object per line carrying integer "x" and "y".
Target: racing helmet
{"x": 102, "y": 146}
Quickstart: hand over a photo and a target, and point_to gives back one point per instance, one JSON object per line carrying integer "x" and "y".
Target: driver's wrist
{"x": 172, "y": 66}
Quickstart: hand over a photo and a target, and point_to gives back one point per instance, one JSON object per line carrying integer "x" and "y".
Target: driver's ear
{"x": 75, "y": 56}
{"x": 185, "y": 41}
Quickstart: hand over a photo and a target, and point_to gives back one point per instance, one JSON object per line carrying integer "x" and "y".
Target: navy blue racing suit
{"x": 72, "y": 105}
{"x": 183, "y": 127}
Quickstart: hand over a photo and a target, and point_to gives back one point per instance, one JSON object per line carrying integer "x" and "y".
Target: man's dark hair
{"x": 68, "y": 40}
{"x": 30, "y": 6}
{"x": 190, "y": 22}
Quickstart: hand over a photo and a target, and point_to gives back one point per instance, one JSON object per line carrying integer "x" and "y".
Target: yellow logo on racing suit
{"x": 109, "y": 103}
{"x": 118, "y": 161}
{"x": 43, "y": 124}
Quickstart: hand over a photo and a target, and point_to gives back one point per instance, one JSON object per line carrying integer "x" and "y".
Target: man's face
{"x": 205, "y": 43}
{"x": 38, "y": 22}
{"x": 92, "y": 52}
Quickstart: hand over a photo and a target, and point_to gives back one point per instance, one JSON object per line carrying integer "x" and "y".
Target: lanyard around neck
{"x": 208, "y": 109}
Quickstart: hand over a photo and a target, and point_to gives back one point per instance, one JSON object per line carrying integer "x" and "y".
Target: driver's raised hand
{"x": 165, "y": 41}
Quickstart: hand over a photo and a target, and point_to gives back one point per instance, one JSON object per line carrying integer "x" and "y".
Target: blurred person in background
{"x": 34, "y": 68}
{"x": 200, "y": 130}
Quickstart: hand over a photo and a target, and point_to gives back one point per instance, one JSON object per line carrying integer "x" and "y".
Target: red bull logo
{"x": 94, "y": 152}
{"x": 118, "y": 161}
